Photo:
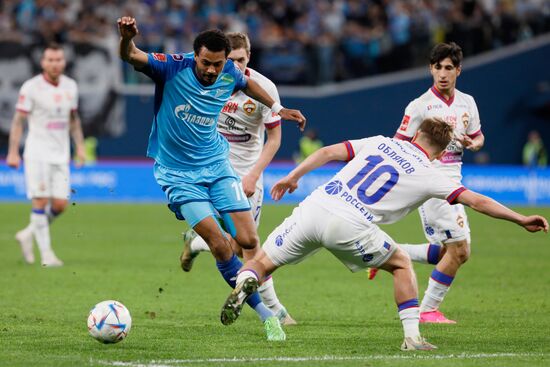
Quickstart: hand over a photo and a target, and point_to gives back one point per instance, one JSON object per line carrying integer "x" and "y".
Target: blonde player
{"x": 443, "y": 223}
{"x": 384, "y": 181}
{"x": 244, "y": 122}
{"x": 49, "y": 103}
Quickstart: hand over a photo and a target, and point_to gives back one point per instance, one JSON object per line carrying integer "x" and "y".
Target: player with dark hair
{"x": 191, "y": 164}
{"x": 384, "y": 180}
{"x": 244, "y": 122}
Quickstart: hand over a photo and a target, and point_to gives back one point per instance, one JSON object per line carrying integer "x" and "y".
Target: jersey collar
{"x": 421, "y": 149}
{"x": 438, "y": 94}
{"x": 49, "y": 81}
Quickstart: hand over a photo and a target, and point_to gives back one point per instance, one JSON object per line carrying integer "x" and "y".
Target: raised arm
{"x": 490, "y": 207}
{"x": 128, "y": 51}
{"x": 255, "y": 91}
{"x": 13, "y": 159}
{"x": 75, "y": 129}
{"x": 336, "y": 152}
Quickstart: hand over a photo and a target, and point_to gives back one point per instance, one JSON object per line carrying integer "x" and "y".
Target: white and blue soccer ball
{"x": 109, "y": 322}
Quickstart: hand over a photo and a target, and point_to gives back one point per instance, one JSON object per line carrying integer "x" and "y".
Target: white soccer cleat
{"x": 285, "y": 318}
{"x": 51, "y": 261}
{"x": 417, "y": 343}
{"x": 24, "y": 237}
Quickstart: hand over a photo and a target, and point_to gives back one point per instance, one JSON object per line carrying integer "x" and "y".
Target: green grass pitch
{"x": 501, "y": 299}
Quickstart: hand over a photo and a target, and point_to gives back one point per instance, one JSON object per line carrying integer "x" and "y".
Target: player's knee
{"x": 461, "y": 251}
{"x": 399, "y": 260}
{"x": 59, "y": 206}
{"x": 248, "y": 241}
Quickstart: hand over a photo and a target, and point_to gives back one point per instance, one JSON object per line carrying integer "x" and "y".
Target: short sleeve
{"x": 24, "y": 101}
{"x": 240, "y": 79}
{"x": 474, "y": 127}
{"x": 354, "y": 146}
{"x": 410, "y": 123}
{"x": 442, "y": 187}
{"x": 162, "y": 67}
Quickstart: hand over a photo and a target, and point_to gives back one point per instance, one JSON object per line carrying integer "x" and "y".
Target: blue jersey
{"x": 184, "y": 134}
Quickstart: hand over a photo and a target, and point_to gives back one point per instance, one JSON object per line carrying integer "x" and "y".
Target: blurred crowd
{"x": 293, "y": 41}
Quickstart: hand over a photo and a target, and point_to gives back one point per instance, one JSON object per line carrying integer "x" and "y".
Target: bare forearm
{"x": 16, "y": 132}
{"x": 255, "y": 91}
{"x": 316, "y": 160}
{"x": 492, "y": 208}
{"x": 477, "y": 143}
{"x": 131, "y": 54}
{"x": 268, "y": 152}
{"x": 76, "y": 130}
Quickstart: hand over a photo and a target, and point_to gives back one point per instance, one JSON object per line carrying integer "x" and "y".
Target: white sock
{"x": 426, "y": 253}
{"x": 433, "y": 296}
{"x": 198, "y": 245}
{"x": 246, "y": 274}
{"x": 268, "y": 295}
{"x": 410, "y": 317}
{"x": 41, "y": 231}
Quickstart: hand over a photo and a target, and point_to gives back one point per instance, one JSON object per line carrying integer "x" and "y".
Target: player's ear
{"x": 458, "y": 70}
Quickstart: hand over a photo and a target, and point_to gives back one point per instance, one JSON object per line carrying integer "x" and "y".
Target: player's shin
{"x": 427, "y": 253}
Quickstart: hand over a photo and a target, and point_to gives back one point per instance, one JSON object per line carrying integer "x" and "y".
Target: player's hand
{"x": 13, "y": 160}
{"x": 468, "y": 143}
{"x": 293, "y": 115}
{"x": 80, "y": 158}
{"x": 249, "y": 185}
{"x": 282, "y": 186}
{"x": 127, "y": 27}
{"x": 535, "y": 223}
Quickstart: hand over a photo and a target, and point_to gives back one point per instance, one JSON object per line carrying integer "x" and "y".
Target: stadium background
{"x": 351, "y": 67}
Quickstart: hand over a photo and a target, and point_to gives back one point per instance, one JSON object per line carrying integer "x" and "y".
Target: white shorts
{"x": 444, "y": 223}
{"x": 311, "y": 227}
{"x": 47, "y": 180}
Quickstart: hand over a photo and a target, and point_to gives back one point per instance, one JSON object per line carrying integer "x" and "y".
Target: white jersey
{"x": 48, "y": 108}
{"x": 460, "y": 111}
{"x": 243, "y": 121}
{"x": 385, "y": 179}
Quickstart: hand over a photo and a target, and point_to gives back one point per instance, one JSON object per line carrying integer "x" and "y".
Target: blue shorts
{"x": 196, "y": 194}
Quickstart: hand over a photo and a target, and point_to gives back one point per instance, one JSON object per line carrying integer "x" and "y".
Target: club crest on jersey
{"x": 465, "y": 119}
{"x": 405, "y": 123}
{"x": 460, "y": 221}
{"x": 249, "y": 107}
{"x": 177, "y": 57}
{"x": 159, "y": 57}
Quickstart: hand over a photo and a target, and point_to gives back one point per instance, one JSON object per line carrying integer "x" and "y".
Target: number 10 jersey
{"x": 384, "y": 180}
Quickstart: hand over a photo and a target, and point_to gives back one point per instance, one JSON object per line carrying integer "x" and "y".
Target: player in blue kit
{"x": 191, "y": 157}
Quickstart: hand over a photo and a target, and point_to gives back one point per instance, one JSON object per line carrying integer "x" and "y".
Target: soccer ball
{"x": 109, "y": 322}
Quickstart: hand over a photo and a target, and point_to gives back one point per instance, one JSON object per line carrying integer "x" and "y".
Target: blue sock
{"x": 229, "y": 271}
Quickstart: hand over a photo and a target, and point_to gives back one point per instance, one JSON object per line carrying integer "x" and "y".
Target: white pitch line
{"x": 175, "y": 362}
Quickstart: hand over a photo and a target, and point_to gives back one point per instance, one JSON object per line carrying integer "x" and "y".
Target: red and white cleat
{"x": 434, "y": 317}
{"x": 372, "y": 273}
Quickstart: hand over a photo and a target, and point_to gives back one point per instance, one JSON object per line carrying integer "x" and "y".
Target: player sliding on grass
{"x": 243, "y": 122}
{"x": 384, "y": 180}
{"x": 191, "y": 162}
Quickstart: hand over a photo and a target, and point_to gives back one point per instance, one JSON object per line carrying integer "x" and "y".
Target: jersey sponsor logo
{"x": 177, "y": 57}
{"x": 227, "y": 78}
{"x": 249, "y": 107}
{"x": 450, "y": 119}
{"x": 57, "y": 98}
{"x": 429, "y": 230}
{"x": 366, "y": 257}
{"x": 159, "y": 57}
{"x": 182, "y": 112}
{"x": 280, "y": 239}
{"x": 334, "y": 187}
{"x": 465, "y": 119}
{"x": 243, "y": 138}
{"x": 56, "y": 125}
{"x": 434, "y": 106}
{"x": 405, "y": 123}
{"x": 230, "y": 107}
